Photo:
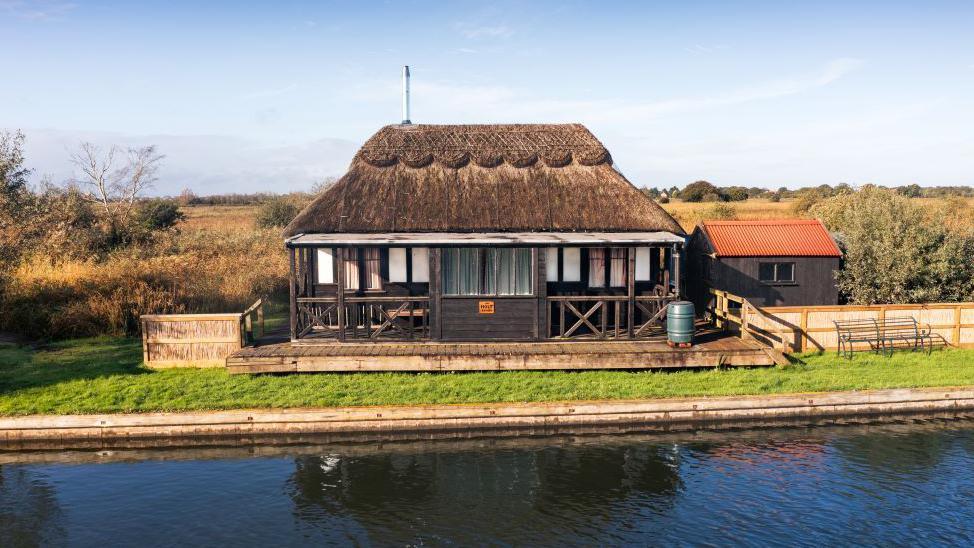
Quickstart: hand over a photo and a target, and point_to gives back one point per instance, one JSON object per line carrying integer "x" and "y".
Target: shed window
{"x": 482, "y": 271}
{"x": 776, "y": 272}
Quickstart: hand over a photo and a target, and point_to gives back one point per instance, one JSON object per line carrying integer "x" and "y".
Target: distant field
{"x": 688, "y": 214}
{"x": 219, "y": 218}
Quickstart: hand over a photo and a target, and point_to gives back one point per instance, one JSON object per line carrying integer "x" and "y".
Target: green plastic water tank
{"x": 679, "y": 322}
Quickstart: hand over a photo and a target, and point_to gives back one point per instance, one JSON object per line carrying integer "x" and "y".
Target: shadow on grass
{"x": 79, "y": 359}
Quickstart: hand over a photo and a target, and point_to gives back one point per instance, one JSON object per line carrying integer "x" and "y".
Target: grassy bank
{"x": 106, "y": 375}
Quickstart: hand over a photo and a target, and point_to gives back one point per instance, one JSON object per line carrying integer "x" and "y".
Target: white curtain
{"x": 397, "y": 264}
{"x": 596, "y": 267}
{"x": 618, "y": 269}
{"x": 522, "y": 261}
{"x": 372, "y": 257}
{"x": 421, "y": 265}
{"x": 326, "y": 266}
{"x": 351, "y": 268}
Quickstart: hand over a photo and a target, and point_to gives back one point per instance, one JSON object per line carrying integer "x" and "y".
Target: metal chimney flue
{"x": 405, "y": 95}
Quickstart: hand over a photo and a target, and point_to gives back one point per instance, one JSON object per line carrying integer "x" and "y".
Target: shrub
{"x": 663, "y": 200}
{"x": 894, "y": 252}
{"x": 735, "y": 193}
{"x": 276, "y": 212}
{"x": 695, "y": 192}
{"x": 157, "y": 214}
{"x": 720, "y": 211}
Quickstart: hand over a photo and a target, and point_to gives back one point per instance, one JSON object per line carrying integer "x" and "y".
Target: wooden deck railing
{"x": 807, "y": 328}
{"x": 364, "y": 318}
{"x": 754, "y": 322}
{"x": 252, "y": 322}
{"x": 605, "y": 316}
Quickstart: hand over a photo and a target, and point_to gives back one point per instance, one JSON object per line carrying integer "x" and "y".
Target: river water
{"x": 903, "y": 484}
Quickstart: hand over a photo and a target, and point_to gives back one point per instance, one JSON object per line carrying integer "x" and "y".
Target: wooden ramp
{"x": 713, "y": 349}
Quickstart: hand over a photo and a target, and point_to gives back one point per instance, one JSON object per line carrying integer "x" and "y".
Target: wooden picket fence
{"x": 198, "y": 340}
{"x": 801, "y": 328}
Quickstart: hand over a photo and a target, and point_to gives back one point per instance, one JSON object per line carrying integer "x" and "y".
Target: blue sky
{"x": 248, "y": 97}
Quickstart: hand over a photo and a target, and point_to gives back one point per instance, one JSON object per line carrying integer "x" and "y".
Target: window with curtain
{"x": 482, "y": 271}
{"x": 618, "y": 269}
{"x": 351, "y": 268}
{"x": 372, "y": 261}
{"x": 596, "y": 267}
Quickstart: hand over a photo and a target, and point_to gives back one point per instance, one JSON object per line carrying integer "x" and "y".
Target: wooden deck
{"x": 712, "y": 349}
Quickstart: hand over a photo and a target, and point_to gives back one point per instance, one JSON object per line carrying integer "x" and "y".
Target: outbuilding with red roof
{"x": 770, "y": 262}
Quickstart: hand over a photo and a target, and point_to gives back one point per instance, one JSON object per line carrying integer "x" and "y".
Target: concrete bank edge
{"x": 709, "y": 411}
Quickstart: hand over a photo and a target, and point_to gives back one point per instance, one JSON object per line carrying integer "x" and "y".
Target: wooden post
{"x": 804, "y": 333}
{"x": 260, "y": 317}
{"x": 340, "y": 292}
{"x": 541, "y": 293}
{"x": 145, "y": 341}
{"x": 294, "y": 296}
{"x": 958, "y": 312}
{"x": 436, "y": 293}
{"x": 631, "y": 288}
{"x": 676, "y": 259}
{"x": 745, "y": 311}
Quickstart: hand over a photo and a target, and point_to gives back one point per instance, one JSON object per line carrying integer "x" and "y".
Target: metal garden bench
{"x": 881, "y": 335}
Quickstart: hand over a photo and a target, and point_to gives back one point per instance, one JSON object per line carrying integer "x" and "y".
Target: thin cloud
{"x": 449, "y": 101}
{"x": 36, "y": 10}
{"x": 474, "y": 32}
{"x": 700, "y": 48}
{"x": 265, "y": 93}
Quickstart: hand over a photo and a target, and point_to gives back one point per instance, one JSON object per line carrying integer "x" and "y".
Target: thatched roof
{"x": 480, "y": 178}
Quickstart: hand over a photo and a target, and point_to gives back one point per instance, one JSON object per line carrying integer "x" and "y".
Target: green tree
{"x": 157, "y": 214}
{"x": 695, "y": 192}
{"x": 894, "y": 253}
{"x": 276, "y": 212}
{"x": 735, "y": 193}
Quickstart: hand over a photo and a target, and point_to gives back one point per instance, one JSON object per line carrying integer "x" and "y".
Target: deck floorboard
{"x": 275, "y": 353}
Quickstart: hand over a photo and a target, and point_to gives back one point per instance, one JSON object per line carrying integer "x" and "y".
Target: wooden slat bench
{"x": 881, "y": 335}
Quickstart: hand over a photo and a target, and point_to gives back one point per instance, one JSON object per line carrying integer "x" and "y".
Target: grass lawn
{"x": 106, "y": 375}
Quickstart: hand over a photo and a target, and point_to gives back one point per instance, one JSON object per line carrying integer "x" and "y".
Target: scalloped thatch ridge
{"x": 480, "y": 178}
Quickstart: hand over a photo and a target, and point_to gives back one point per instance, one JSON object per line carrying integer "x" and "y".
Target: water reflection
{"x": 522, "y": 496}
{"x": 29, "y": 511}
{"x": 888, "y": 485}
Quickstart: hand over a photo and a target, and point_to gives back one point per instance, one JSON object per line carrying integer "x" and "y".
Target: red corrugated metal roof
{"x": 771, "y": 238}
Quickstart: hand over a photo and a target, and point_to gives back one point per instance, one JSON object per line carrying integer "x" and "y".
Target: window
{"x": 421, "y": 265}
{"x": 326, "y": 266}
{"x": 615, "y": 259}
{"x": 351, "y": 269}
{"x": 776, "y": 272}
{"x": 596, "y": 267}
{"x": 372, "y": 260}
{"x": 571, "y": 258}
{"x": 551, "y": 264}
{"x": 397, "y": 265}
{"x": 618, "y": 271}
{"x": 480, "y": 271}
{"x": 642, "y": 264}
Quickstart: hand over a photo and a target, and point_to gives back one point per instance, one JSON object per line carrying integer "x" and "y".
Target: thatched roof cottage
{"x": 482, "y": 232}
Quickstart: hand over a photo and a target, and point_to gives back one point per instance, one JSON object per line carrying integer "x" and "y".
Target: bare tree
{"x": 114, "y": 182}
